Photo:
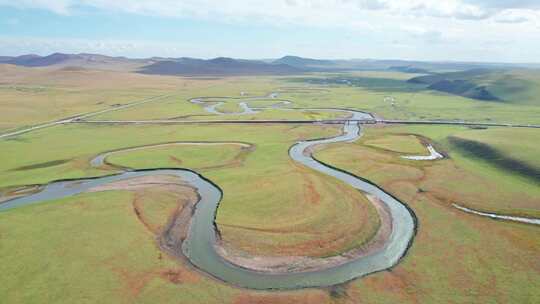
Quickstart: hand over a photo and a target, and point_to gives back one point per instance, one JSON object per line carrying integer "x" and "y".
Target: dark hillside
{"x": 218, "y": 66}
{"x": 495, "y": 157}
{"x": 409, "y": 69}
{"x": 300, "y": 62}
{"x": 459, "y": 83}
{"x": 463, "y": 88}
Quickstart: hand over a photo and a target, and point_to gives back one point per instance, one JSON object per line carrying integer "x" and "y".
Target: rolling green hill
{"x": 519, "y": 86}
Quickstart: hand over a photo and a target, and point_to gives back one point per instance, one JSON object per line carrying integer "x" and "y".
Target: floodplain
{"x": 103, "y": 245}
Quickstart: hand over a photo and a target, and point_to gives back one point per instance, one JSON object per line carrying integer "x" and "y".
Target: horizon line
{"x": 278, "y": 57}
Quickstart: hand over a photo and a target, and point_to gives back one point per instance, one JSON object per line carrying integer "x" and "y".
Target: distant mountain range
{"x": 76, "y": 60}
{"x": 222, "y": 66}
{"x": 218, "y": 66}
{"x": 304, "y": 63}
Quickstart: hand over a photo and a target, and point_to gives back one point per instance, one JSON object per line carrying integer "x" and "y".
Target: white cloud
{"x": 56, "y": 6}
{"x": 289, "y": 10}
{"x": 506, "y": 4}
{"x": 434, "y": 29}
{"x": 517, "y": 16}
{"x": 131, "y": 48}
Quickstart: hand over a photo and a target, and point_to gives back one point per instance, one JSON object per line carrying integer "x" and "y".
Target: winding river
{"x": 200, "y": 246}
{"x": 211, "y": 104}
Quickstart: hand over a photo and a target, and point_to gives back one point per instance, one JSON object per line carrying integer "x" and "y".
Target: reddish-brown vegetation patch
{"x": 180, "y": 276}
{"x": 307, "y": 297}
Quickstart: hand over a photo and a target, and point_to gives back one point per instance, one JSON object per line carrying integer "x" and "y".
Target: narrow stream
{"x": 495, "y": 216}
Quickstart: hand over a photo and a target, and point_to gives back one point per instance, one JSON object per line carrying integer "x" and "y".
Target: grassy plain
{"x": 195, "y": 157}
{"x": 30, "y": 96}
{"x": 94, "y": 248}
{"x": 390, "y": 96}
{"x": 505, "y": 191}
{"x": 386, "y": 94}
{"x": 398, "y": 143}
{"x": 516, "y": 144}
{"x": 310, "y": 214}
{"x": 456, "y": 257}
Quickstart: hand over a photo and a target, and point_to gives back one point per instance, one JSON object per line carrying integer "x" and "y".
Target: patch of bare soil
{"x": 168, "y": 182}
{"x": 179, "y": 276}
{"x": 311, "y": 296}
{"x": 9, "y": 194}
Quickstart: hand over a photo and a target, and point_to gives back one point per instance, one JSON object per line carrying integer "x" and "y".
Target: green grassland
{"x": 514, "y": 86}
{"x": 388, "y": 95}
{"x": 397, "y": 99}
{"x": 398, "y": 143}
{"x": 179, "y": 107}
{"x": 456, "y": 257}
{"x": 88, "y": 249}
{"x": 506, "y": 192}
{"x": 309, "y": 214}
{"x": 187, "y": 156}
{"x": 264, "y": 103}
{"x": 55, "y": 94}
{"x": 522, "y": 144}
{"x": 134, "y": 270}
{"x": 407, "y": 105}
{"x": 96, "y": 247}
{"x": 520, "y": 86}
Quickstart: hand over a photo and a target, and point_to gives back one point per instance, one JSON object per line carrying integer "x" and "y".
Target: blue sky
{"x": 459, "y": 30}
